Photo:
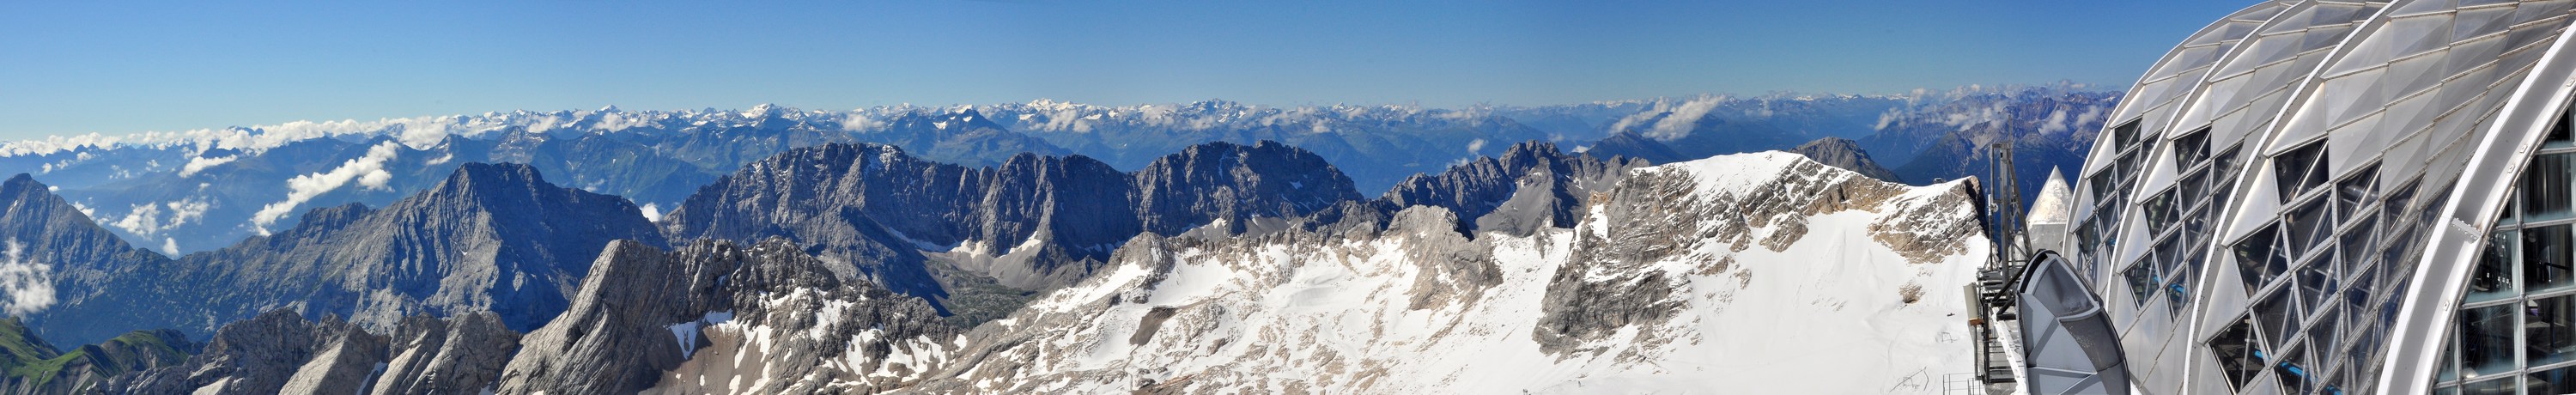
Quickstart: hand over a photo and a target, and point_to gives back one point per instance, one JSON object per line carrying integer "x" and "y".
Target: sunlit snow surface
{"x": 1396, "y": 313}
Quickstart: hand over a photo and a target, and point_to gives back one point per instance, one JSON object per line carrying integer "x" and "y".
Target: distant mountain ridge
{"x": 932, "y": 229}
{"x": 492, "y": 237}
{"x": 200, "y": 190}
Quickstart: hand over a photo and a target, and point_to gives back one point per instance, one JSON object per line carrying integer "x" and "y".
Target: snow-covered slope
{"x": 1754, "y": 273}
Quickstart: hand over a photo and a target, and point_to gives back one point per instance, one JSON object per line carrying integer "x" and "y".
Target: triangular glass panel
{"x": 2481, "y": 21}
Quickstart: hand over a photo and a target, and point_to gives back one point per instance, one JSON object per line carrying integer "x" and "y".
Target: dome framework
{"x": 2342, "y": 197}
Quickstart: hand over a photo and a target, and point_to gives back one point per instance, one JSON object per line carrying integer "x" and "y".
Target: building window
{"x": 2295, "y": 373}
{"x": 2558, "y": 136}
{"x": 2124, "y": 135}
{"x": 2553, "y": 381}
{"x": 2492, "y": 279}
{"x": 2142, "y": 281}
{"x": 2178, "y": 293}
{"x": 2317, "y": 284}
{"x": 2239, "y": 355}
{"x": 2159, "y": 211}
{"x": 2299, "y": 170}
{"x": 2258, "y": 260}
{"x": 2547, "y": 332}
{"x": 2545, "y": 259}
{"x": 2487, "y": 340}
{"x": 2355, "y": 191}
{"x": 2279, "y": 315}
{"x": 2308, "y": 226}
{"x": 2544, "y": 189}
{"x": 2490, "y": 387}
{"x": 2191, "y": 148}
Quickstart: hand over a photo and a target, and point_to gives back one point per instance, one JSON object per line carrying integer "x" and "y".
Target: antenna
{"x": 1995, "y": 305}
{"x": 2012, "y": 248}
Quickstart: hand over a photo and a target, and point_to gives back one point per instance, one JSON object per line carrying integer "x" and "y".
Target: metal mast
{"x": 1993, "y": 295}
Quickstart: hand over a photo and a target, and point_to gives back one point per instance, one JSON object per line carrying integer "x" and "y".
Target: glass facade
{"x": 2269, "y": 192}
{"x": 2516, "y": 325}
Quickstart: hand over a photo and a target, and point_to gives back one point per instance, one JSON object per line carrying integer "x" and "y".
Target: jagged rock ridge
{"x": 717, "y": 317}
{"x": 1846, "y": 154}
{"x": 492, "y": 238}
{"x": 956, "y": 234}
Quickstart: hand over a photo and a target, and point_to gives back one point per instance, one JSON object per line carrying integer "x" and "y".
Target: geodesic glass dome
{"x": 2343, "y": 197}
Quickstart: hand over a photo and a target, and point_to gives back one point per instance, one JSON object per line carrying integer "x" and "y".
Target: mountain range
{"x": 1022, "y": 248}
{"x": 199, "y": 190}
{"x": 1605, "y": 272}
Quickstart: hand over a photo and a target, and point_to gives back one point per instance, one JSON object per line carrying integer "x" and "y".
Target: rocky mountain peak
{"x": 1222, "y": 180}
{"x": 1846, "y": 154}
{"x": 1530, "y": 186}
{"x": 493, "y": 176}
{"x": 491, "y": 238}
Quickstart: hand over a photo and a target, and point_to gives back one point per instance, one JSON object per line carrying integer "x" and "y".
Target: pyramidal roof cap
{"x": 2050, "y": 206}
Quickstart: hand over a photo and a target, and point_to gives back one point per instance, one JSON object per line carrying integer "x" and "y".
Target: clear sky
{"x": 69, "y": 67}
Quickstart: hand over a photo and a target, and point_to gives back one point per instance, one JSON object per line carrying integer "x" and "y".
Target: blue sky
{"x": 78, "y": 67}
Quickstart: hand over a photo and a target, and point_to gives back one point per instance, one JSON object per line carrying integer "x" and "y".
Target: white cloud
{"x": 652, "y": 213}
{"x": 368, "y": 171}
{"x": 30, "y": 284}
{"x": 170, "y": 246}
{"x": 1474, "y": 146}
{"x": 186, "y": 210}
{"x": 2056, "y": 122}
{"x": 1676, "y": 121}
{"x": 201, "y": 163}
{"x": 2092, "y": 116}
{"x": 145, "y": 220}
{"x": 861, "y": 123}
{"x": 442, "y": 159}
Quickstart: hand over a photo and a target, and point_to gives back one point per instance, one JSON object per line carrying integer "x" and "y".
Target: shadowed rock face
{"x": 461, "y": 354}
{"x": 1846, "y": 154}
{"x": 645, "y": 314}
{"x": 1034, "y": 222}
{"x": 275, "y": 352}
{"x": 1531, "y": 186}
{"x": 39, "y": 228}
{"x": 490, "y": 238}
{"x": 281, "y": 352}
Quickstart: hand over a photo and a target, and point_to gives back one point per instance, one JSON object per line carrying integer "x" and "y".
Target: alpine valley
{"x": 1686, "y": 244}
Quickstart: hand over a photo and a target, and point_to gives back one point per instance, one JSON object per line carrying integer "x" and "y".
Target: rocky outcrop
{"x": 275, "y": 352}
{"x": 281, "y": 352}
{"x": 1846, "y": 154}
{"x": 1531, "y": 186}
{"x": 718, "y": 317}
{"x": 612, "y": 339}
{"x": 1224, "y": 181}
{"x": 1704, "y": 210}
{"x": 461, "y": 354}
